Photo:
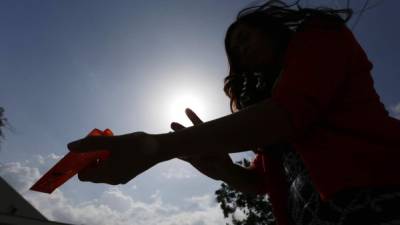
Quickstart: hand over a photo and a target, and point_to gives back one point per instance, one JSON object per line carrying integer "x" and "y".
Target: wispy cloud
{"x": 43, "y": 159}
{"x": 20, "y": 176}
{"x": 112, "y": 206}
{"x": 116, "y": 207}
{"x": 200, "y": 202}
{"x": 395, "y": 110}
{"x": 177, "y": 173}
{"x": 176, "y": 169}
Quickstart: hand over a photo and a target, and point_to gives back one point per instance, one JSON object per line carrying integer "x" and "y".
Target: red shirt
{"x": 343, "y": 133}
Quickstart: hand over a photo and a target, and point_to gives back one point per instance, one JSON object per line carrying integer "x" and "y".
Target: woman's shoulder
{"x": 322, "y": 23}
{"x": 317, "y": 34}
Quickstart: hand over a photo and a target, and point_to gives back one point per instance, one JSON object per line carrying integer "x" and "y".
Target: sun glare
{"x": 184, "y": 100}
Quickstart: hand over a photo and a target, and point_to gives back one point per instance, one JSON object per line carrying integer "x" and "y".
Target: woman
{"x": 302, "y": 95}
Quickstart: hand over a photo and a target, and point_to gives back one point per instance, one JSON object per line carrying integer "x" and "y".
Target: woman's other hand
{"x": 131, "y": 155}
{"x": 215, "y": 166}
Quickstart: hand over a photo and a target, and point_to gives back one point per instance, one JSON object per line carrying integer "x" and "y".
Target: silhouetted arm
{"x": 131, "y": 154}
{"x": 262, "y": 124}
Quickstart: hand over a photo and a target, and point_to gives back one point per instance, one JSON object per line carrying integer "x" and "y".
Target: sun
{"x": 173, "y": 96}
{"x": 182, "y": 100}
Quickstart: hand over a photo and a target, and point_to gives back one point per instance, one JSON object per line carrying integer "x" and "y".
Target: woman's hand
{"x": 215, "y": 166}
{"x": 219, "y": 166}
{"x": 131, "y": 154}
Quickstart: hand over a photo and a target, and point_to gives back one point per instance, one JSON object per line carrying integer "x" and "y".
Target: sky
{"x": 67, "y": 67}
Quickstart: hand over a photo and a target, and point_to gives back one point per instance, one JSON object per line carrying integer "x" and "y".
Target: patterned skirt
{"x": 367, "y": 206}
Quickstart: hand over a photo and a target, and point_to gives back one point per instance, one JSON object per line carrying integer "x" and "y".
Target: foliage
{"x": 256, "y": 208}
{"x": 3, "y": 122}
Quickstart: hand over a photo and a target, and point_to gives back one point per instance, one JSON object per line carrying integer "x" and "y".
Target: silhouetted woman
{"x": 302, "y": 96}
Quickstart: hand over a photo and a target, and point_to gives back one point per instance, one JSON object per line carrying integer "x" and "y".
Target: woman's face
{"x": 252, "y": 48}
{"x": 252, "y": 51}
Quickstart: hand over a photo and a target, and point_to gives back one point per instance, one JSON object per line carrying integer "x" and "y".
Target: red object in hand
{"x": 71, "y": 164}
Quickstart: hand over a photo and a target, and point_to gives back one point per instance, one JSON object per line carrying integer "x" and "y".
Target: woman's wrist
{"x": 163, "y": 146}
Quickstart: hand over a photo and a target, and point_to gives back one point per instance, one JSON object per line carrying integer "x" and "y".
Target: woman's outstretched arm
{"x": 131, "y": 154}
{"x": 262, "y": 124}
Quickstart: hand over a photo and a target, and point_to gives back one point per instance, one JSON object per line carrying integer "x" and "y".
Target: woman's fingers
{"x": 176, "y": 126}
{"x": 92, "y": 143}
{"x": 193, "y": 117}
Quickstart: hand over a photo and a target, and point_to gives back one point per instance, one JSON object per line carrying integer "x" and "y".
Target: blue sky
{"x": 69, "y": 66}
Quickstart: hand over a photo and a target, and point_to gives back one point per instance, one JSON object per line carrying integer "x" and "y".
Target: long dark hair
{"x": 278, "y": 20}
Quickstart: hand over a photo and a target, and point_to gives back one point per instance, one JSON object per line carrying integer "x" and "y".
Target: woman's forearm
{"x": 262, "y": 124}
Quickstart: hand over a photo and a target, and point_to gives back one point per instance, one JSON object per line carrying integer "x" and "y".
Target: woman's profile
{"x": 302, "y": 97}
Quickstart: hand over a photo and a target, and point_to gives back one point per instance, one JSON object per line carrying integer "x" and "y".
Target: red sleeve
{"x": 258, "y": 165}
{"x": 274, "y": 184}
{"x": 315, "y": 68}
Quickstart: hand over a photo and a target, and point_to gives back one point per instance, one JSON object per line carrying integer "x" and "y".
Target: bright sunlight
{"x": 182, "y": 100}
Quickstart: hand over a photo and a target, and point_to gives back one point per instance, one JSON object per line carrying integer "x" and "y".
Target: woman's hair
{"x": 278, "y": 21}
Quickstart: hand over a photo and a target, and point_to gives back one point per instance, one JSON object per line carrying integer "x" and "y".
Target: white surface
{"x": 14, "y": 209}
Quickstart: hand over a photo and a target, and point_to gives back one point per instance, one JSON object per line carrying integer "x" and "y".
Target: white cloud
{"x": 115, "y": 199}
{"x": 201, "y": 202}
{"x": 113, "y": 206}
{"x": 45, "y": 159}
{"x": 18, "y": 175}
{"x": 22, "y": 175}
{"x": 177, "y": 173}
{"x": 395, "y": 110}
{"x": 176, "y": 169}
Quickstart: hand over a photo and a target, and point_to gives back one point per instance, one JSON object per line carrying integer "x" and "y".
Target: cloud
{"x": 201, "y": 202}
{"x": 396, "y": 110}
{"x": 177, "y": 173}
{"x": 45, "y": 159}
{"x": 112, "y": 206}
{"x": 19, "y": 176}
{"x": 22, "y": 175}
{"x": 176, "y": 169}
{"x": 116, "y": 207}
